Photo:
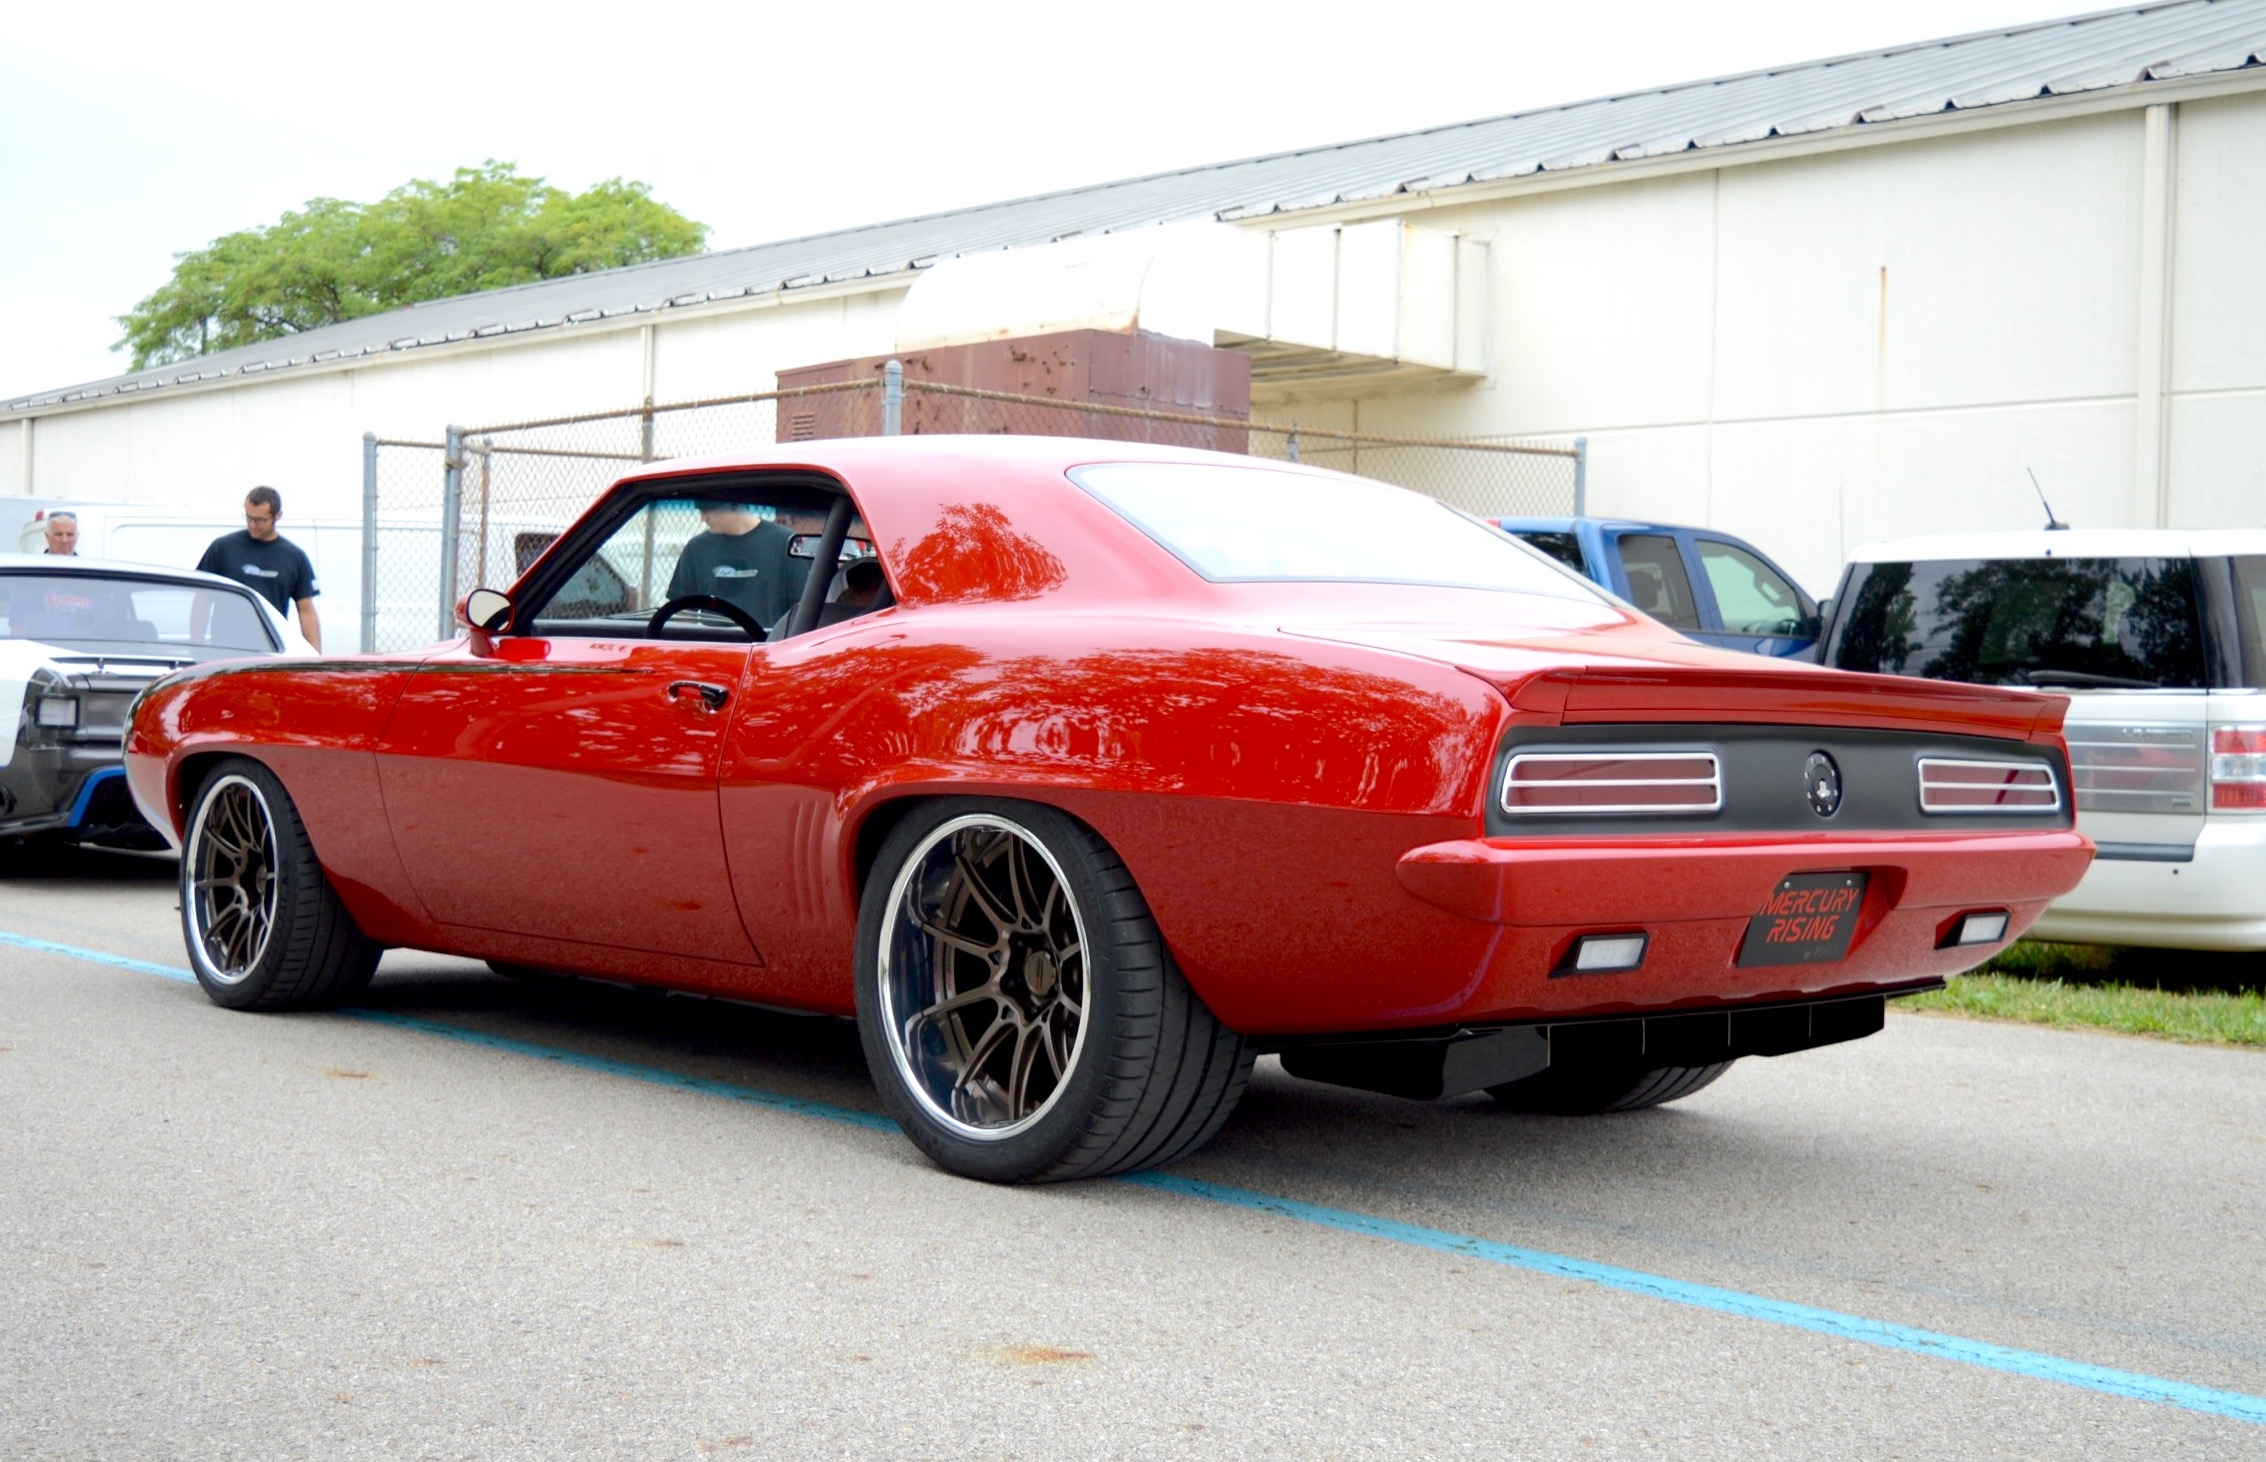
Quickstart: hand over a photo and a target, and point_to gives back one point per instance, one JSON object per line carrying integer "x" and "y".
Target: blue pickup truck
{"x": 1717, "y": 589}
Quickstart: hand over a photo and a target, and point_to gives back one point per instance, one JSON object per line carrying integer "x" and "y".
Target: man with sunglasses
{"x": 270, "y": 564}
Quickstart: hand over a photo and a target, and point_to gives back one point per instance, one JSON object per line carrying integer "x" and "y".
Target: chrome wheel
{"x": 982, "y": 976}
{"x": 231, "y": 879}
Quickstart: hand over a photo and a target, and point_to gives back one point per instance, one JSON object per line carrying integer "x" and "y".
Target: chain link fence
{"x": 442, "y": 518}
{"x": 402, "y": 484}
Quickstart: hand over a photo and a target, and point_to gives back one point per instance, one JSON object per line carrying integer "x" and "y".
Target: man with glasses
{"x": 272, "y": 565}
{"x": 62, "y": 532}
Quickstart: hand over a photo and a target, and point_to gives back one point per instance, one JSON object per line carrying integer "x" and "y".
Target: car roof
{"x": 2066, "y": 543}
{"x": 71, "y": 563}
{"x": 1615, "y": 525}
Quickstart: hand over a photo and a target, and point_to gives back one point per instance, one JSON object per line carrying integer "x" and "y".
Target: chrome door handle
{"x": 712, "y": 696}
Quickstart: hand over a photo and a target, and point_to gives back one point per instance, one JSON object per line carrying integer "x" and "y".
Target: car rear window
{"x": 2067, "y": 623}
{"x": 1243, "y": 524}
{"x": 88, "y": 609}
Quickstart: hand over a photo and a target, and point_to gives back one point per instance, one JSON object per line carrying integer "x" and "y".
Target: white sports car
{"x": 79, "y": 639}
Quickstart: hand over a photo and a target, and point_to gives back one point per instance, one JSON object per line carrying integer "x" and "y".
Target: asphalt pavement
{"x": 480, "y": 1218}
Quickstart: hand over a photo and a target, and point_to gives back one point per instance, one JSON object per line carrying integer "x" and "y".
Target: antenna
{"x": 2053, "y": 524}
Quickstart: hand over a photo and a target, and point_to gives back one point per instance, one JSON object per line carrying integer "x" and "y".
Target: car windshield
{"x": 94, "y": 609}
{"x": 1240, "y": 524}
{"x": 2058, "y": 623}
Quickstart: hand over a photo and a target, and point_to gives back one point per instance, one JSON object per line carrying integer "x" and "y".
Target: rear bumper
{"x": 2216, "y": 899}
{"x": 76, "y": 792}
{"x": 1693, "y": 897}
{"x": 1427, "y": 1066}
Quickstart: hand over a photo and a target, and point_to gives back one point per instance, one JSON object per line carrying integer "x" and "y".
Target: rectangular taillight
{"x": 1949, "y": 786}
{"x": 2238, "y": 768}
{"x": 1547, "y": 782}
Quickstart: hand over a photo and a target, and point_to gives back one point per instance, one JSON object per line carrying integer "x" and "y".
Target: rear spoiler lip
{"x": 1681, "y": 694}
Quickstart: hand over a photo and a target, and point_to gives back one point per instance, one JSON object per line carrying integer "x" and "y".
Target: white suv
{"x": 2158, "y": 637}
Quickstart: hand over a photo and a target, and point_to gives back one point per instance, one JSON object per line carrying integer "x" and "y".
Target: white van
{"x": 2158, "y": 637}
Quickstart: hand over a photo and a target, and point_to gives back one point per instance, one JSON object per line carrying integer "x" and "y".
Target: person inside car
{"x": 740, "y": 557}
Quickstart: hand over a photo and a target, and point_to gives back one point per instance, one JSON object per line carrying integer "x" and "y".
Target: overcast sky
{"x": 130, "y": 132}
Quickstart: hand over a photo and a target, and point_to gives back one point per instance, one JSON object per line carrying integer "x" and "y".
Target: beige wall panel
{"x": 2218, "y": 446}
{"x": 744, "y": 351}
{"x": 1601, "y": 307}
{"x": 16, "y": 438}
{"x": 1657, "y": 475}
{"x": 2219, "y": 248}
{"x": 1807, "y": 491}
{"x": 565, "y": 373}
{"x": 2010, "y": 259}
{"x": 201, "y": 452}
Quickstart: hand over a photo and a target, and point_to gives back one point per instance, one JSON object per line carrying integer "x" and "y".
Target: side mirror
{"x": 485, "y": 610}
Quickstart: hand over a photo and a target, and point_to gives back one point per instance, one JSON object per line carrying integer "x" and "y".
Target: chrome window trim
{"x": 1714, "y": 781}
{"x": 2053, "y": 784}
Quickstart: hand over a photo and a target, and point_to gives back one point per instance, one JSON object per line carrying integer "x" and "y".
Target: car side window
{"x": 1753, "y": 598}
{"x": 1658, "y": 584}
{"x": 1564, "y": 547}
{"x": 728, "y": 567}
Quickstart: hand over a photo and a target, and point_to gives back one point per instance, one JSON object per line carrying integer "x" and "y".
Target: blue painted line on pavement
{"x": 96, "y": 956}
{"x": 1730, "y": 1301}
{"x": 825, "y": 1111}
{"x": 2234, "y": 1405}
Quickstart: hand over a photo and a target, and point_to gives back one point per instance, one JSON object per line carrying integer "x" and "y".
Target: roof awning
{"x": 1355, "y": 303}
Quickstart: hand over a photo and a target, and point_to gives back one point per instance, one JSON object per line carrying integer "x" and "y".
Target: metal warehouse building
{"x": 1815, "y": 305}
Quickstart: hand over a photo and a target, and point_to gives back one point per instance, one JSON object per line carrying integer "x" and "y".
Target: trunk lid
{"x": 1637, "y": 675}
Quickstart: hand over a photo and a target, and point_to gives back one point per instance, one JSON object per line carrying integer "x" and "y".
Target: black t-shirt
{"x": 748, "y": 569}
{"x": 275, "y": 570}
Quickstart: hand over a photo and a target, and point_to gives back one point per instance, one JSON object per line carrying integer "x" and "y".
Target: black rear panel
{"x": 1765, "y": 787}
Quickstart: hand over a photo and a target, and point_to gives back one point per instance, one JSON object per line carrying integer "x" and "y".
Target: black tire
{"x": 1587, "y": 1090}
{"x": 1127, "y": 1067}
{"x": 264, "y": 928}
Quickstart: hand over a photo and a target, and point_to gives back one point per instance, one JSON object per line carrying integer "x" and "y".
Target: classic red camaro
{"x": 1082, "y": 772}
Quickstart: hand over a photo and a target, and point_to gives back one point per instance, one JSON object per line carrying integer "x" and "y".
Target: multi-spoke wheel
{"x": 1019, "y": 1011}
{"x": 264, "y": 929}
{"x": 231, "y": 873}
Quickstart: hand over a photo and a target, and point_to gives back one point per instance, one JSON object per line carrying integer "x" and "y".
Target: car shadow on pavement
{"x": 1286, "y": 1133}
{"x": 814, "y": 1057}
{"x": 37, "y": 861}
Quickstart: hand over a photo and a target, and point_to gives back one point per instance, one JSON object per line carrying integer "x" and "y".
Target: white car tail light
{"x": 2137, "y": 768}
{"x": 2238, "y": 768}
{"x": 1609, "y": 782}
{"x": 1948, "y": 786}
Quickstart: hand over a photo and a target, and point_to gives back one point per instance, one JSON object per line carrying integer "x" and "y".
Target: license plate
{"x": 1809, "y": 920}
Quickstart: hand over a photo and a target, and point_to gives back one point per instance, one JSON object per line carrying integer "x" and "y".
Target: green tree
{"x": 334, "y": 260}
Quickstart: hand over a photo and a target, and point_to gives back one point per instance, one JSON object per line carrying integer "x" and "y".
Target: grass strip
{"x": 2081, "y": 987}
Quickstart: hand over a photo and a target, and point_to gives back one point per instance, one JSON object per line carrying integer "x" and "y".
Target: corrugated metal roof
{"x": 2160, "y": 42}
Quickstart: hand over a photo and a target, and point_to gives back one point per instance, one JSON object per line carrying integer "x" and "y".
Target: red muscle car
{"x": 1081, "y": 773}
